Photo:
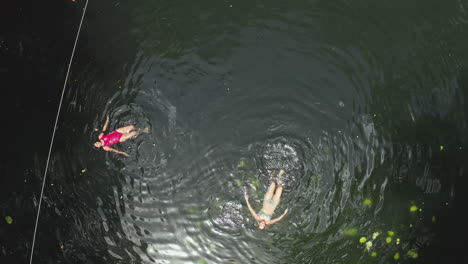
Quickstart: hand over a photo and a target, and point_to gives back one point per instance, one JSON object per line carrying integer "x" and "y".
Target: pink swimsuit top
{"x": 111, "y": 139}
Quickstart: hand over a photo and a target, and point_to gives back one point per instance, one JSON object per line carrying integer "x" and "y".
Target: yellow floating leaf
{"x": 441, "y": 147}
{"x": 367, "y": 202}
{"x": 8, "y": 219}
{"x": 397, "y": 241}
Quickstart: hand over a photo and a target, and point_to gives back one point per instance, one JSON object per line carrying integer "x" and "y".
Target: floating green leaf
{"x": 413, "y": 254}
{"x": 413, "y": 208}
{"x": 256, "y": 183}
{"x": 351, "y": 231}
{"x": 375, "y": 235}
{"x": 8, "y": 219}
{"x": 388, "y": 240}
{"x": 242, "y": 164}
{"x": 368, "y": 245}
{"x": 396, "y": 256}
{"x": 441, "y": 147}
{"x": 373, "y": 254}
{"x": 238, "y": 182}
{"x": 367, "y": 202}
{"x": 391, "y": 233}
{"x": 201, "y": 261}
{"x": 362, "y": 240}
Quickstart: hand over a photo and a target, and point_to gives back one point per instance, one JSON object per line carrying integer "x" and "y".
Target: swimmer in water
{"x": 119, "y": 135}
{"x": 270, "y": 202}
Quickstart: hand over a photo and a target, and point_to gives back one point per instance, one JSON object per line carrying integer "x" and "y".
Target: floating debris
{"x": 367, "y": 202}
{"x": 413, "y": 208}
{"x": 441, "y": 147}
{"x": 351, "y": 231}
{"x": 241, "y": 164}
{"x": 396, "y": 256}
{"x": 83, "y": 170}
{"x": 397, "y": 241}
{"x": 375, "y": 235}
{"x": 413, "y": 254}
{"x": 8, "y": 219}
{"x": 373, "y": 254}
{"x": 391, "y": 233}
{"x": 388, "y": 240}
{"x": 362, "y": 240}
{"x": 238, "y": 182}
{"x": 368, "y": 245}
{"x": 61, "y": 246}
{"x": 212, "y": 246}
{"x": 433, "y": 218}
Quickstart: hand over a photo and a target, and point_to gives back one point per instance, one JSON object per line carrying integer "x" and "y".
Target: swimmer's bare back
{"x": 117, "y": 136}
{"x": 270, "y": 201}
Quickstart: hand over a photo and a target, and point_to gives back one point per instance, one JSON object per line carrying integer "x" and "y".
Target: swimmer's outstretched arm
{"x": 104, "y": 128}
{"x": 276, "y": 220}
{"x": 115, "y": 150}
{"x": 252, "y": 212}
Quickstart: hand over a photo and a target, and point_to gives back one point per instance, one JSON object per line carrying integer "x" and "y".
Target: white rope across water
{"x": 53, "y": 133}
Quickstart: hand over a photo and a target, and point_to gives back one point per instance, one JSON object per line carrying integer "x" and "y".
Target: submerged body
{"x": 119, "y": 135}
{"x": 270, "y": 201}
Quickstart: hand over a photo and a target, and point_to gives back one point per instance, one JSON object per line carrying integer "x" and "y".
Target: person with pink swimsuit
{"x": 119, "y": 135}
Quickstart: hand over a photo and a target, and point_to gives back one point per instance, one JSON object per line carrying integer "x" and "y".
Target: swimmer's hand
{"x": 115, "y": 150}
{"x": 279, "y": 218}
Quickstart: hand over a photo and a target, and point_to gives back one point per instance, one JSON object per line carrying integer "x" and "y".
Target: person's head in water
{"x": 262, "y": 225}
{"x": 98, "y": 144}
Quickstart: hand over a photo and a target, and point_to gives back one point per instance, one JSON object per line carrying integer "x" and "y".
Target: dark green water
{"x": 361, "y": 102}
